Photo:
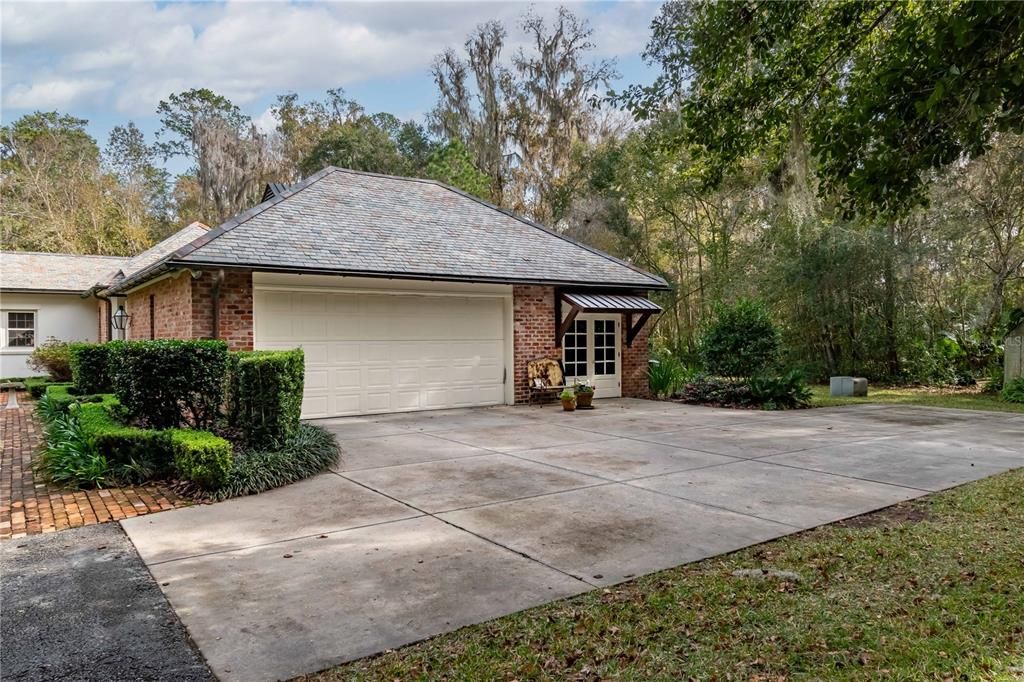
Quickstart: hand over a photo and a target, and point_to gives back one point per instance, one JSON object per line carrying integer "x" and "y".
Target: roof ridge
{"x": 510, "y": 214}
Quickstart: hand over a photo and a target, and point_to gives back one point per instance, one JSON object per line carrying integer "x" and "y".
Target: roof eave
{"x": 423, "y": 276}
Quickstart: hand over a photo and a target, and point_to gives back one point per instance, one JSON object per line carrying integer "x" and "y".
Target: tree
{"x": 886, "y": 91}
{"x": 58, "y": 197}
{"x": 146, "y": 185}
{"x": 452, "y": 165}
{"x": 233, "y": 160}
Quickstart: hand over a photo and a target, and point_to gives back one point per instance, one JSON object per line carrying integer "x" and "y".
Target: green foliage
{"x": 580, "y": 387}
{"x": 52, "y": 357}
{"x": 70, "y": 457}
{"x": 886, "y": 92}
{"x": 780, "y": 392}
{"x": 168, "y": 383}
{"x": 266, "y": 394}
{"x": 567, "y": 394}
{"x": 201, "y": 457}
{"x": 1013, "y": 392}
{"x": 89, "y": 366}
{"x": 134, "y": 454}
{"x": 310, "y": 450}
{"x": 60, "y": 397}
{"x": 741, "y": 340}
{"x": 36, "y": 386}
{"x": 453, "y": 165}
{"x": 716, "y": 392}
{"x": 666, "y": 374}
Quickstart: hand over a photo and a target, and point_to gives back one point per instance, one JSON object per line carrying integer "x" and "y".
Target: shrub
{"x": 740, "y": 341}
{"x": 36, "y": 386}
{"x": 70, "y": 457}
{"x": 59, "y": 397}
{"x": 90, "y": 366}
{"x": 168, "y": 383}
{"x": 201, "y": 457}
{"x": 52, "y": 357}
{"x": 1013, "y": 392}
{"x": 133, "y": 454}
{"x": 666, "y": 374}
{"x": 266, "y": 394}
{"x": 704, "y": 390}
{"x": 310, "y": 450}
{"x": 780, "y": 392}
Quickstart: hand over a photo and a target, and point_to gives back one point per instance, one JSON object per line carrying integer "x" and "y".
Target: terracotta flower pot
{"x": 568, "y": 404}
{"x": 585, "y": 399}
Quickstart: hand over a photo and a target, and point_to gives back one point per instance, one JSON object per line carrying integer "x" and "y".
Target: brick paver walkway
{"x": 28, "y": 505}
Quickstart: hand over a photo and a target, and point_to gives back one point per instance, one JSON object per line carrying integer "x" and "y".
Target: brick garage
{"x": 181, "y": 307}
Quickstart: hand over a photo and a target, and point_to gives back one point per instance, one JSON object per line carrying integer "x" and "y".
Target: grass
{"x": 963, "y": 398}
{"x": 932, "y": 589}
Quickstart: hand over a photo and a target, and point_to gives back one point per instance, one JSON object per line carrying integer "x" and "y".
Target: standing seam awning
{"x": 624, "y": 304}
{"x": 610, "y": 303}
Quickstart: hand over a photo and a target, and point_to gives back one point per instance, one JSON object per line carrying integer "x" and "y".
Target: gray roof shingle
{"x": 28, "y": 271}
{"x": 351, "y": 222}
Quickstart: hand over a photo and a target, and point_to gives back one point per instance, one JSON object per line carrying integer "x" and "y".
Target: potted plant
{"x": 568, "y": 397}
{"x": 584, "y": 394}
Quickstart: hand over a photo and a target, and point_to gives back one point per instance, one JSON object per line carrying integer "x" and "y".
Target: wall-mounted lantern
{"x": 120, "y": 319}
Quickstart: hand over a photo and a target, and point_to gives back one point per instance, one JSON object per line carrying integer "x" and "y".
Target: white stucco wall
{"x": 68, "y": 317}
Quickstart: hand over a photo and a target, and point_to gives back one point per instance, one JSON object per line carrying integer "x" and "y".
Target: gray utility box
{"x": 845, "y": 387}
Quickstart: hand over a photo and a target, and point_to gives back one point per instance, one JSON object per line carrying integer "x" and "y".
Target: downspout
{"x": 216, "y": 303}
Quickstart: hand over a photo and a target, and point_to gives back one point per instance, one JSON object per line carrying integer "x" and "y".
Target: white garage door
{"x": 374, "y": 352}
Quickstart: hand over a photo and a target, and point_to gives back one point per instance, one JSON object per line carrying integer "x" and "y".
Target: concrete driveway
{"x": 437, "y": 520}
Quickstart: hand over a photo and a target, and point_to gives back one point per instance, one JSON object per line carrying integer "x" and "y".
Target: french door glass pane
{"x": 604, "y": 347}
{"x": 574, "y": 347}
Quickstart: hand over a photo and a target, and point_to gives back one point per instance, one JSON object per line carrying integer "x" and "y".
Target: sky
{"x": 111, "y": 62}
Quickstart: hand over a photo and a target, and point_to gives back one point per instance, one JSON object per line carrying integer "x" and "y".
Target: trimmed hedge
{"x": 265, "y": 389}
{"x": 168, "y": 383}
{"x": 201, "y": 457}
{"x": 61, "y": 397}
{"x": 36, "y": 386}
{"x": 144, "y": 452}
{"x": 90, "y": 366}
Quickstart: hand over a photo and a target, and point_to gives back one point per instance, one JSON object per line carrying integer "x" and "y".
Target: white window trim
{"x": 6, "y": 331}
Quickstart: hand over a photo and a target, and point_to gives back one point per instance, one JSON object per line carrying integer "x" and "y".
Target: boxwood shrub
{"x": 133, "y": 453}
{"x": 60, "y": 397}
{"x": 36, "y": 386}
{"x": 168, "y": 383}
{"x": 90, "y": 366}
{"x": 266, "y": 395}
{"x": 201, "y": 457}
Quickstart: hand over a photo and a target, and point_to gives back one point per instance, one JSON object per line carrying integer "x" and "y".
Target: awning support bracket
{"x": 633, "y": 328}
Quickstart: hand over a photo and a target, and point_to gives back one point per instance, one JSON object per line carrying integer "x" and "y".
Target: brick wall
{"x": 533, "y": 321}
{"x": 235, "y": 308}
{"x": 102, "y": 320}
{"x": 634, "y": 363}
{"x": 183, "y": 309}
{"x": 172, "y": 309}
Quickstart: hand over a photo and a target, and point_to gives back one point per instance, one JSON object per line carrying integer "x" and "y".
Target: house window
{"x": 20, "y": 329}
{"x": 604, "y": 347}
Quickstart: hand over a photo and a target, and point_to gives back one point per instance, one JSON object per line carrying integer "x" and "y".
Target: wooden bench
{"x": 545, "y": 376}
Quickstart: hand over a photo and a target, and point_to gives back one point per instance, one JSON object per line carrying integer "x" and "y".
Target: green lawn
{"x": 929, "y": 590}
{"x": 963, "y": 398}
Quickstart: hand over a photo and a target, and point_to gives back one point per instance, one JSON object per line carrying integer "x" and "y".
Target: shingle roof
{"x": 22, "y": 270}
{"x": 161, "y": 250}
{"x": 350, "y": 222}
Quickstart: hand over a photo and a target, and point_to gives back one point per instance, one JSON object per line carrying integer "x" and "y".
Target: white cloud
{"x": 133, "y": 54}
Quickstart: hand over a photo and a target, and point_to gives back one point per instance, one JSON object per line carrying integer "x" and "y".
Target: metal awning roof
{"x": 611, "y": 303}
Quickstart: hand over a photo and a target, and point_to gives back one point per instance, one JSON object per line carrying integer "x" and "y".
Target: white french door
{"x": 591, "y": 349}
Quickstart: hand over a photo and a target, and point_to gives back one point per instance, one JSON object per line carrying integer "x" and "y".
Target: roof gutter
{"x": 428, "y": 277}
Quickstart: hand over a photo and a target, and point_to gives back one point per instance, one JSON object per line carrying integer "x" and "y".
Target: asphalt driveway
{"x": 437, "y": 520}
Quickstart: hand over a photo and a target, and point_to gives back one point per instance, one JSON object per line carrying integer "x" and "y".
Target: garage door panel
{"x": 371, "y": 353}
